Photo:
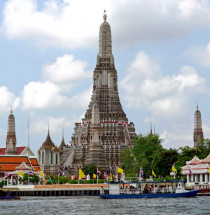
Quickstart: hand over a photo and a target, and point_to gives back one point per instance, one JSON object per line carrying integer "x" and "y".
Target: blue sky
{"x": 48, "y": 54}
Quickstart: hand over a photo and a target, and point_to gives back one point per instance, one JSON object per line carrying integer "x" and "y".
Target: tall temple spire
{"x": 105, "y": 131}
{"x": 198, "y": 131}
{"x": 11, "y": 136}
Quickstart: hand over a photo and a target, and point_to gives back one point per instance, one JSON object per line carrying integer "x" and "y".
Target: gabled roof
{"x": 17, "y": 162}
{"x": 23, "y": 166}
{"x": 194, "y": 161}
{"x": 206, "y": 160}
{"x": 20, "y": 149}
{"x": 35, "y": 164}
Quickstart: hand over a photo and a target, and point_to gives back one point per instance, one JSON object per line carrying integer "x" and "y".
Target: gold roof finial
{"x": 105, "y": 15}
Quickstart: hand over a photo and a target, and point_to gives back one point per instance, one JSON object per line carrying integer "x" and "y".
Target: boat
{"x": 7, "y": 196}
{"x": 148, "y": 189}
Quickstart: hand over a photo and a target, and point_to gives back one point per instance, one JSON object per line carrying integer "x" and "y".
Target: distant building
{"x": 105, "y": 131}
{"x": 197, "y": 171}
{"x": 49, "y": 156}
{"x": 198, "y": 131}
{"x": 12, "y": 163}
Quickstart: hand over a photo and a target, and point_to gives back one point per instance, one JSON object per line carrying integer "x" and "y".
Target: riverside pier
{"x": 56, "y": 190}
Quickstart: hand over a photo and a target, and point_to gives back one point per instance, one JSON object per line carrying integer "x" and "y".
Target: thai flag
{"x": 98, "y": 172}
{"x": 141, "y": 173}
{"x": 30, "y": 173}
{"x": 59, "y": 173}
{"x": 5, "y": 175}
{"x": 190, "y": 171}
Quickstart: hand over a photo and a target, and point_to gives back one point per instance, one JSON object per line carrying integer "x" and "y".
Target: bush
{"x": 73, "y": 181}
{"x": 63, "y": 180}
{"x": 91, "y": 181}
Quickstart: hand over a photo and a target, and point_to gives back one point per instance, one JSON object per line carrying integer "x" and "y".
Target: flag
{"x": 94, "y": 175}
{"x": 190, "y": 171}
{"x": 174, "y": 169}
{"x": 98, "y": 172}
{"x": 110, "y": 176}
{"x": 30, "y": 173}
{"x": 119, "y": 170}
{"x": 105, "y": 175}
{"x": 41, "y": 173}
{"x": 5, "y": 175}
{"x": 153, "y": 173}
{"x": 81, "y": 174}
{"x": 20, "y": 173}
{"x": 141, "y": 173}
{"x": 209, "y": 170}
{"x": 59, "y": 173}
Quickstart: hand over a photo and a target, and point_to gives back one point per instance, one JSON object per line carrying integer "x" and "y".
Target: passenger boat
{"x": 148, "y": 189}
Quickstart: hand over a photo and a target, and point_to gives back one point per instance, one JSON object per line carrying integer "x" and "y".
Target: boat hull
{"x": 152, "y": 195}
{"x": 9, "y": 197}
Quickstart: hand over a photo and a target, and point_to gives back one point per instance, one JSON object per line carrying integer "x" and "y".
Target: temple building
{"x": 49, "y": 156}
{"x": 197, "y": 171}
{"x": 198, "y": 131}
{"x": 104, "y": 131}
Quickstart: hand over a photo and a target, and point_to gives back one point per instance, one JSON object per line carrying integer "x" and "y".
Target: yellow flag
{"x": 20, "y": 173}
{"x": 41, "y": 173}
{"x": 94, "y": 175}
{"x": 119, "y": 170}
{"x": 209, "y": 170}
{"x": 81, "y": 174}
{"x": 110, "y": 176}
{"x": 153, "y": 173}
{"x": 174, "y": 169}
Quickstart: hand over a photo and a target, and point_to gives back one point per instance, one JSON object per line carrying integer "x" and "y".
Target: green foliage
{"x": 149, "y": 154}
{"x": 73, "y": 182}
{"x": 91, "y": 181}
{"x": 90, "y": 169}
{"x": 100, "y": 181}
{"x": 34, "y": 179}
{"x": 62, "y": 180}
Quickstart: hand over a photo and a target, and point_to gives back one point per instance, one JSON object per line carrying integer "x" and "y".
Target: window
{"x": 51, "y": 157}
{"x": 56, "y": 158}
{"x": 42, "y": 157}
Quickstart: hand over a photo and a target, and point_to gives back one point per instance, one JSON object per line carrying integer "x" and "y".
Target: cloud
{"x": 66, "y": 71}
{"x": 68, "y": 25}
{"x": 8, "y": 100}
{"x": 54, "y": 91}
{"x": 164, "y": 96}
{"x": 38, "y": 95}
{"x": 201, "y": 54}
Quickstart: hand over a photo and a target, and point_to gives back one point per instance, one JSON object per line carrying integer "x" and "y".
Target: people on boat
{"x": 146, "y": 189}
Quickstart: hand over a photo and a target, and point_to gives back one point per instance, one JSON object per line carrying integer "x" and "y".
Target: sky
{"x": 48, "y": 52}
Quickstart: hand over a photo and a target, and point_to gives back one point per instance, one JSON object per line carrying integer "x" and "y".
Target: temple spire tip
{"x": 105, "y": 15}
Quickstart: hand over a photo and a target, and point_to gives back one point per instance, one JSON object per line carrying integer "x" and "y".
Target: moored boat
{"x": 6, "y": 195}
{"x": 148, "y": 189}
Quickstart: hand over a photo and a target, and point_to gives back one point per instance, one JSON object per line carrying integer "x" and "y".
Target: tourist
{"x": 101, "y": 190}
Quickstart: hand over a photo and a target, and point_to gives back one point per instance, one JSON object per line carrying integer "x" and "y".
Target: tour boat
{"x": 148, "y": 189}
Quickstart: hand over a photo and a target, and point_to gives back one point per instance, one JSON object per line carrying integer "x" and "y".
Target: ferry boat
{"x": 148, "y": 189}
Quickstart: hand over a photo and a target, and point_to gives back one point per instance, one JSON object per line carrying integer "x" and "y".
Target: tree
{"x": 90, "y": 169}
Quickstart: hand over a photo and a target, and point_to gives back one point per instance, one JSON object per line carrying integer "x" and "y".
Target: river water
{"x": 94, "y": 205}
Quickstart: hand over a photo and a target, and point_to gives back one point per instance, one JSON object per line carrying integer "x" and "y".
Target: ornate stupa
{"x": 11, "y": 136}
{"x": 198, "y": 131}
{"x": 104, "y": 131}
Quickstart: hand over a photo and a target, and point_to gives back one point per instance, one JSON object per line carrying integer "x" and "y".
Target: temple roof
{"x": 194, "y": 161}
{"x": 19, "y": 149}
{"x": 206, "y": 160}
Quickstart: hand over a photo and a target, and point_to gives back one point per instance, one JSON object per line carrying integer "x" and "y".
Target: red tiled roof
{"x": 20, "y": 149}
{"x": 194, "y": 161}
{"x": 35, "y": 164}
{"x": 9, "y": 159}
